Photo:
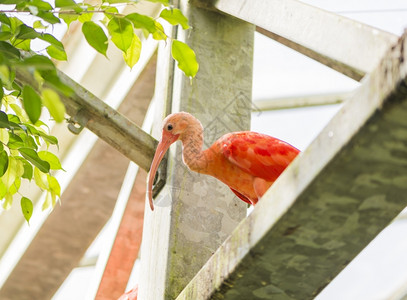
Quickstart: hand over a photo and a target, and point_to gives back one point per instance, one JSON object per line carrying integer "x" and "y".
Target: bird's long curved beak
{"x": 166, "y": 140}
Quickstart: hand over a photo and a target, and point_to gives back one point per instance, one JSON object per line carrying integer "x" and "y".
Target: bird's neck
{"x": 192, "y": 153}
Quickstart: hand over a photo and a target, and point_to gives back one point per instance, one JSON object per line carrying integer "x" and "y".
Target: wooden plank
{"x": 189, "y": 222}
{"x": 329, "y": 204}
{"x": 345, "y": 45}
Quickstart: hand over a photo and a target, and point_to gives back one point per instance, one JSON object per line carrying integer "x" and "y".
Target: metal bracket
{"x": 161, "y": 176}
{"x": 78, "y": 122}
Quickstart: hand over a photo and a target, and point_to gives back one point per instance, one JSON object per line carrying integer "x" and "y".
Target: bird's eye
{"x": 169, "y": 127}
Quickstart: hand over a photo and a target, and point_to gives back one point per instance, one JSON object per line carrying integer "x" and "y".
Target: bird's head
{"x": 175, "y": 126}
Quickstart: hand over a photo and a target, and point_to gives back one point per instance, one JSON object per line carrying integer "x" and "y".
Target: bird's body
{"x": 248, "y": 162}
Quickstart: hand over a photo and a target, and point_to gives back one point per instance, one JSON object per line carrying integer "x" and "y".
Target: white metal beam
{"x": 346, "y": 45}
{"x": 300, "y": 101}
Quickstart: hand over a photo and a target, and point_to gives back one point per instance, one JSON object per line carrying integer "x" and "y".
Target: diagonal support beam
{"x": 345, "y": 45}
{"x": 111, "y": 126}
{"x": 329, "y": 204}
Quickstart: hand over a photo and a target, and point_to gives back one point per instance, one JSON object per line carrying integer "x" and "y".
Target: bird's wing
{"x": 242, "y": 197}
{"x": 258, "y": 154}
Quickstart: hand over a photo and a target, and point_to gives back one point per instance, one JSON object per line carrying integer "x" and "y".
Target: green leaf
{"x": 8, "y": 200}
{"x": 14, "y": 122}
{"x": 174, "y": 16}
{"x": 9, "y": 51}
{"x": 38, "y": 25}
{"x": 4, "y": 137}
{"x": 1, "y": 92}
{"x": 68, "y": 4}
{"x": 52, "y": 79}
{"x": 10, "y": 175}
{"x": 4, "y": 122}
{"x": 54, "y": 104}
{"x": 164, "y": 2}
{"x": 52, "y": 40}
{"x": 15, "y": 186}
{"x": 54, "y": 186}
{"x": 3, "y": 17}
{"x": 40, "y": 62}
{"x": 41, "y": 5}
{"x": 40, "y": 179}
{"x": 3, "y": 162}
{"x": 28, "y": 170}
{"x": 185, "y": 57}
{"x": 159, "y": 34}
{"x": 11, "y": 1}
{"x": 95, "y": 36}
{"x": 3, "y": 189}
{"x": 48, "y": 17}
{"x": 14, "y": 24}
{"x": 32, "y": 103}
{"x": 5, "y": 35}
{"x": 27, "y": 208}
{"x": 13, "y": 119}
{"x": 26, "y": 32}
{"x": 68, "y": 18}
{"x": 142, "y": 21}
{"x": 5, "y": 76}
{"x": 85, "y": 17}
{"x": 43, "y": 10}
{"x": 33, "y": 10}
{"x": 19, "y": 172}
{"x": 56, "y": 53}
{"x": 52, "y": 159}
{"x": 65, "y": 3}
{"x": 29, "y": 142}
{"x": 118, "y": 1}
{"x": 110, "y": 12}
{"x": 15, "y": 142}
{"x": 20, "y": 114}
{"x": 132, "y": 54}
{"x": 47, "y": 201}
{"x": 48, "y": 138}
{"x": 32, "y": 157}
{"x": 23, "y": 44}
{"x": 121, "y": 31}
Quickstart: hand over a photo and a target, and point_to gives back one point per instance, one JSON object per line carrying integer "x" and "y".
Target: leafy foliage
{"x": 24, "y": 137}
{"x": 185, "y": 57}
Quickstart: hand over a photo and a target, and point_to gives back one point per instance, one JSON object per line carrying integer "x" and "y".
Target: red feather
{"x": 258, "y": 154}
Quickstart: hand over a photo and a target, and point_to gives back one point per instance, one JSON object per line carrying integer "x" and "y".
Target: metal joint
{"x": 78, "y": 122}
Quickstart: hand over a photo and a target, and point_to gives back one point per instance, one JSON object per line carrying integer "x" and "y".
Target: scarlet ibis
{"x": 246, "y": 161}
